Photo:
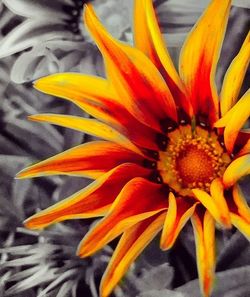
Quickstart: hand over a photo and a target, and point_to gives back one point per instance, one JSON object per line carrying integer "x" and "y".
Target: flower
{"x": 56, "y": 20}
{"x": 47, "y": 264}
{"x": 171, "y": 150}
{"x": 56, "y": 36}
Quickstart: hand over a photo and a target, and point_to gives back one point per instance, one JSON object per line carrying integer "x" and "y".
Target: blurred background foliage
{"x": 42, "y": 37}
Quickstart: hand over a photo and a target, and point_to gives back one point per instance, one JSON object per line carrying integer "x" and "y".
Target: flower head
{"x": 56, "y": 20}
{"x": 172, "y": 148}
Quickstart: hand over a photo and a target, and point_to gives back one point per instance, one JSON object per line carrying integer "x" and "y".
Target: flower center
{"x": 194, "y": 165}
{"x": 192, "y": 160}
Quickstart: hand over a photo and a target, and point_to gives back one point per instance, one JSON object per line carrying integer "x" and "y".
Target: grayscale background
{"x": 40, "y": 37}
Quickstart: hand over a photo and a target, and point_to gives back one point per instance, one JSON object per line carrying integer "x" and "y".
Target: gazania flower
{"x": 49, "y": 264}
{"x": 172, "y": 148}
{"x": 54, "y": 20}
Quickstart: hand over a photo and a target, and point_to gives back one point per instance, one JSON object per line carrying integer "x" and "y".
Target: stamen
{"x": 192, "y": 160}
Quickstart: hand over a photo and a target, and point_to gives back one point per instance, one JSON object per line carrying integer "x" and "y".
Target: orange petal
{"x": 96, "y": 96}
{"x": 179, "y": 212}
{"x": 241, "y": 107}
{"x": 93, "y": 201}
{"x": 199, "y": 58}
{"x": 86, "y": 91}
{"x": 90, "y": 159}
{"x": 148, "y": 38}
{"x": 236, "y": 122}
{"x": 241, "y": 203}
{"x": 241, "y": 224}
{"x": 208, "y": 202}
{"x": 136, "y": 79}
{"x": 89, "y": 126}
{"x": 237, "y": 169}
{"x": 131, "y": 244}
{"x": 234, "y": 77}
{"x": 138, "y": 200}
{"x": 217, "y": 193}
{"x": 204, "y": 231}
{"x": 245, "y": 149}
{"x": 242, "y": 144}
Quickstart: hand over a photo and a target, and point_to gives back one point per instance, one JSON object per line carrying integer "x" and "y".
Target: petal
{"x": 241, "y": 203}
{"x": 90, "y": 160}
{"x": 212, "y": 206}
{"x": 242, "y": 144}
{"x": 204, "y": 231}
{"x": 179, "y": 212}
{"x": 236, "y": 122}
{"x": 46, "y": 9}
{"x": 234, "y": 77}
{"x": 88, "y": 126}
{"x": 138, "y": 200}
{"x": 241, "y": 107}
{"x": 131, "y": 244}
{"x": 237, "y": 169}
{"x": 136, "y": 79}
{"x": 241, "y": 224}
{"x": 245, "y": 149}
{"x": 96, "y": 96}
{"x": 148, "y": 38}
{"x": 30, "y": 33}
{"x": 217, "y": 193}
{"x": 88, "y": 92}
{"x": 199, "y": 58}
{"x": 93, "y": 201}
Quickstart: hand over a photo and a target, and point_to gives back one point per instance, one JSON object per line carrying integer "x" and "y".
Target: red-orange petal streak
{"x": 138, "y": 83}
{"x": 179, "y": 212}
{"x": 204, "y": 231}
{"x": 217, "y": 193}
{"x": 212, "y": 204}
{"x": 148, "y": 38}
{"x": 199, "y": 58}
{"x": 138, "y": 200}
{"x": 89, "y": 126}
{"x": 131, "y": 244}
{"x": 93, "y": 201}
{"x": 97, "y": 97}
{"x": 90, "y": 159}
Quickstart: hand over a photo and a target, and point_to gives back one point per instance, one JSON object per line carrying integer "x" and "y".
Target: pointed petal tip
{"x": 25, "y": 173}
{"x": 33, "y": 117}
{"x": 46, "y": 81}
{"x": 21, "y": 175}
{"x": 29, "y": 224}
{"x": 82, "y": 252}
{"x": 88, "y": 11}
{"x": 103, "y": 291}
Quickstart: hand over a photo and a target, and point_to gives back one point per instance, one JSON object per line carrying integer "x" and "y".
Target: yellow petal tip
{"x": 21, "y": 175}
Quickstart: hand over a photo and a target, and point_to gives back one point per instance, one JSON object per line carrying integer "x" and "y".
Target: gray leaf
{"x": 156, "y": 278}
{"x": 161, "y": 293}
